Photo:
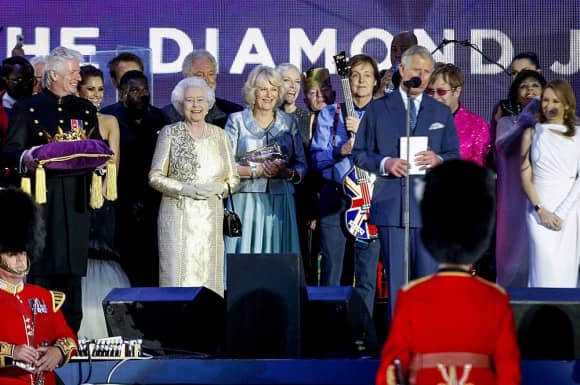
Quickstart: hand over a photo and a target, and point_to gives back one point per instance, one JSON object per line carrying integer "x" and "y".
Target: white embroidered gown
{"x": 191, "y": 246}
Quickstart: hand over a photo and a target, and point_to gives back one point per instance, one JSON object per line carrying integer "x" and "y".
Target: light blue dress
{"x": 266, "y": 206}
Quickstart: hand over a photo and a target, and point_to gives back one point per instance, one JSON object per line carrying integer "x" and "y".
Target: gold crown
{"x": 68, "y": 136}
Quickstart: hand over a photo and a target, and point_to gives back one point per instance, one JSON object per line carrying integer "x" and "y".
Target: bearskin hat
{"x": 458, "y": 210}
{"x": 21, "y": 228}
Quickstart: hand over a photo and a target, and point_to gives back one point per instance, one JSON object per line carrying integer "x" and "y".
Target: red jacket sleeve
{"x": 398, "y": 345}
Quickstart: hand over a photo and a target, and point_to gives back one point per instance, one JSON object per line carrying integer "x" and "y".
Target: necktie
{"x": 412, "y": 114}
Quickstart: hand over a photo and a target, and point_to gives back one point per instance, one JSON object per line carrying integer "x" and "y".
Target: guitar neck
{"x": 347, "y": 96}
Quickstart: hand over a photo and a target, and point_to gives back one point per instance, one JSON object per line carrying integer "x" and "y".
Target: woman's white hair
{"x": 287, "y": 66}
{"x": 266, "y": 74}
{"x": 178, "y": 93}
{"x": 56, "y": 61}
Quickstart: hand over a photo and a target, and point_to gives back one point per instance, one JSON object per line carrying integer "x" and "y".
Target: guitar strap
{"x": 343, "y": 110}
{"x": 340, "y": 109}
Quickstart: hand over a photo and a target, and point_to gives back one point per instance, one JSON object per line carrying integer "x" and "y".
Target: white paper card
{"x": 416, "y": 144}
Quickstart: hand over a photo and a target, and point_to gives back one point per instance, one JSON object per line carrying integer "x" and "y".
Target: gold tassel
{"x": 40, "y": 185}
{"x": 96, "y": 191}
{"x": 111, "y": 181}
{"x": 25, "y": 185}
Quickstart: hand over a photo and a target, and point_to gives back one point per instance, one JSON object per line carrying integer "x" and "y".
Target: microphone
{"x": 414, "y": 82}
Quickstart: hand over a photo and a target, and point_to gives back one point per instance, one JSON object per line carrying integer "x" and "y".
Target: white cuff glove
{"x": 202, "y": 190}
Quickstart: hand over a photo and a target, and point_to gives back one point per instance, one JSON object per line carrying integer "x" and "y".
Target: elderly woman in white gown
{"x": 192, "y": 167}
{"x": 551, "y": 161}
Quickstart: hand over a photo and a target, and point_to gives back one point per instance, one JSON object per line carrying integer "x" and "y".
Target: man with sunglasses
{"x": 472, "y": 130}
{"x": 377, "y": 150}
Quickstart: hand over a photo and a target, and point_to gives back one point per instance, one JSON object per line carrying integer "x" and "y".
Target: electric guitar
{"x": 358, "y": 184}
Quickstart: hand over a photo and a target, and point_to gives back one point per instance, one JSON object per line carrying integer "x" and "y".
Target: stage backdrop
{"x": 242, "y": 34}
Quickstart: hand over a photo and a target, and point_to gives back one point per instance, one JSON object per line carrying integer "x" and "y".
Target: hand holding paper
{"x": 417, "y": 146}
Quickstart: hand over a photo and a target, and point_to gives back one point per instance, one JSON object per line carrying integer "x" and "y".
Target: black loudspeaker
{"x": 169, "y": 320}
{"x": 265, "y": 294}
{"x": 548, "y": 322}
{"x": 338, "y": 323}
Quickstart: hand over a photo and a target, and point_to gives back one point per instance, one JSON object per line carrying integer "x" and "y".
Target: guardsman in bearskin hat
{"x": 34, "y": 337}
{"x": 453, "y": 327}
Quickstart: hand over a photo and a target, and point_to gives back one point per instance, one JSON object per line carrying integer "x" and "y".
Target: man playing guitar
{"x": 331, "y": 150}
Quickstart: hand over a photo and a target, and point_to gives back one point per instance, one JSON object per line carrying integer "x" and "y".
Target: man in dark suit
{"x": 377, "y": 150}
{"x": 137, "y": 203}
{"x": 201, "y": 63}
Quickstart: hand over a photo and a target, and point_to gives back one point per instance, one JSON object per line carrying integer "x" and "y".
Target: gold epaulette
{"x": 495, "y": 286}
{"x": 67, "y": 346}
{"x": 58, "y": 298}
{"x": 6, "y": 351}
{"x": 416, "y": 282}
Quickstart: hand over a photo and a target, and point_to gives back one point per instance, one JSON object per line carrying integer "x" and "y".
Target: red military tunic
{"x": 17, "y": 323}
{"x": 453, "y": 312}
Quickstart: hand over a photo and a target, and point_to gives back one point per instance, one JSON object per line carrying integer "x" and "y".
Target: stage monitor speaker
{"x": 264, "y": 296}
{"x": 338, "y": 323}
{"x": 548, "y": 322}
{"x": 169, "y": 320}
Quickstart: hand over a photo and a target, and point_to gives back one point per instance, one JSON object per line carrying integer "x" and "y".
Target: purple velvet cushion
{"x": 73, "y": 155}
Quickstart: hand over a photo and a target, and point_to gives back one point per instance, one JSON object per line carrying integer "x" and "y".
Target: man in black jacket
{"x": 137, "y": 203}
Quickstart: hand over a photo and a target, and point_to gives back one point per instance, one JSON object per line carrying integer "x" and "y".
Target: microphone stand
{"x": 407, "y": 208}
{"x": 467, "y": 43}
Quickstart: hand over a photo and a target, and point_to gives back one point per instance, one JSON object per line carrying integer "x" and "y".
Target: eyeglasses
{"x": 318, "y": 91}
{"x": 19, "y": 80}
{"x": 138, "y": 91}
{"x": 439, "y": 91}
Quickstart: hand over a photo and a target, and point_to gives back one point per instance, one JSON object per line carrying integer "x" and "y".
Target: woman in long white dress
{"x": 551, "y": 161}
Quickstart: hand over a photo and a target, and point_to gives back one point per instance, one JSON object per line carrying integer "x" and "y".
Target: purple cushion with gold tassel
{"x": 83, "y": 154}
{"x": 77, "y": 154}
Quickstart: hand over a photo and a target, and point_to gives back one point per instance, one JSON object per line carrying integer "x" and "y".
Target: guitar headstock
{"x": 341, "y": 65}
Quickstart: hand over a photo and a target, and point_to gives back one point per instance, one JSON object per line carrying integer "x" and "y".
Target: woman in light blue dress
{"x": 265, "y": 200}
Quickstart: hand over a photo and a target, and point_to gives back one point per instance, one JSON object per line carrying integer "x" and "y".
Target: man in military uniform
{"x": 452, "y": 327}
{"x": 33, "y": 122}
{"x": 34, "y": 337}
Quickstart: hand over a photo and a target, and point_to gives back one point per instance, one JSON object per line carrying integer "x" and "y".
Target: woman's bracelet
{"x": 292, "y": 175}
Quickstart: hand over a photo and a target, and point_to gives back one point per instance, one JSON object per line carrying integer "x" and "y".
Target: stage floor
{"x": 274, "y": 371}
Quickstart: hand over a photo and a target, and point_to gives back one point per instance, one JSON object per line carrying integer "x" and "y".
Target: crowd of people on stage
{"x": 286, "y": 169}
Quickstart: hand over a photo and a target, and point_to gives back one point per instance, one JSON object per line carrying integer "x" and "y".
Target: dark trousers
{"x": 393, "y": 248}
{"x": 334, "y": 240}
{"x": 70, "y": 285}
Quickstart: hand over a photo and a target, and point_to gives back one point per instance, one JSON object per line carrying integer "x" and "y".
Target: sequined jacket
{"x": 473, "y": 134}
